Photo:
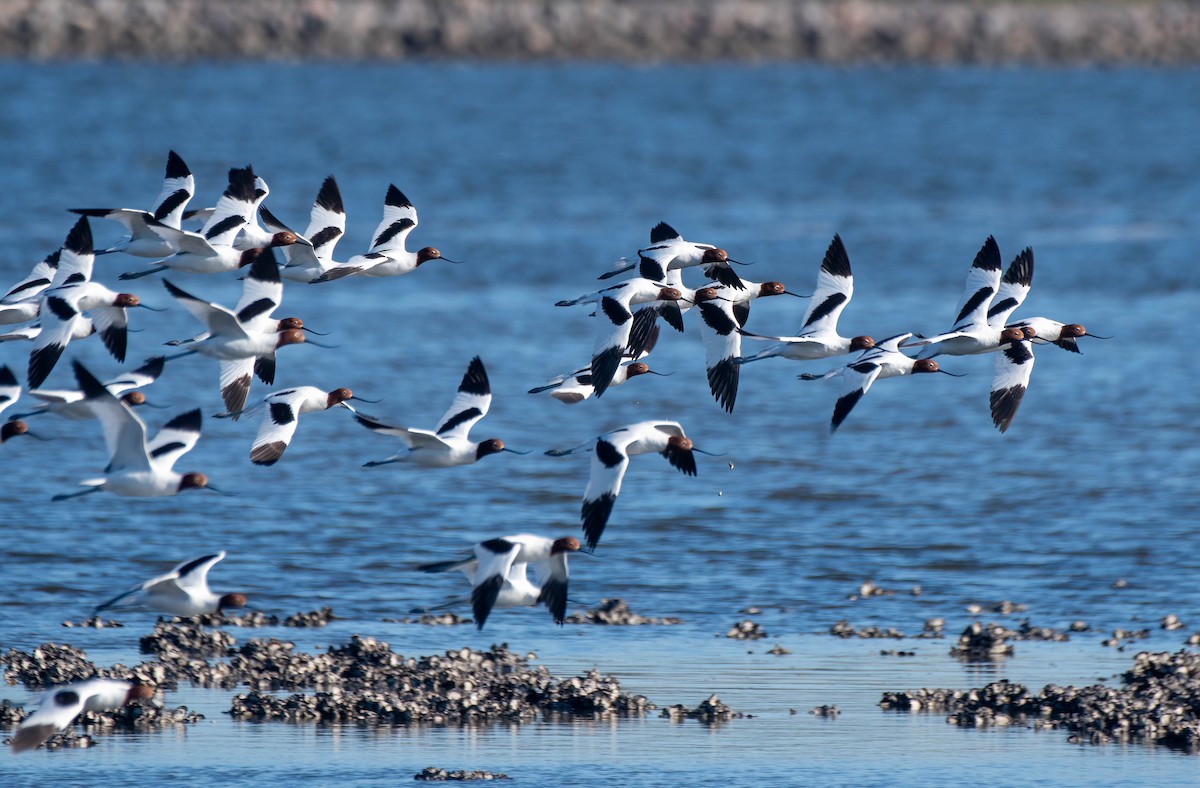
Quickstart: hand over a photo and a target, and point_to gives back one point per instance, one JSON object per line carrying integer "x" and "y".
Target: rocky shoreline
{"x": 829, "y": 31}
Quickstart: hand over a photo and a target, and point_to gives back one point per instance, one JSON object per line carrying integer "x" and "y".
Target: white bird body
{"x": 388, "y": 255}
{"x": 177, "y": 190}
{"x": 281, "y": 416}
{"x": 818, "y": 336}
{"x": 58, "y": 707}
{"x": 497, "y": 574}
{"x": 137, "y": 467}
{"x": 181, "y": 592}
{"x": 71, "y": 404}
{"x": 449, "y": 445}
{"x": 610, "y": 459}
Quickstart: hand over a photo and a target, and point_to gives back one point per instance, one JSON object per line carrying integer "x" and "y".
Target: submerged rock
{"x": 979, "y": 643}
{"x": 436, "y": 774}
{"x": 615, "y": 612}
{"x": 95, "y": 622}
{"x": 843, "y": 629}
{"x": 709, "y": 711}
{"x": 429, "y": 619}
{"x": 1159, "y": 702}
{"x": 746, "y": 630}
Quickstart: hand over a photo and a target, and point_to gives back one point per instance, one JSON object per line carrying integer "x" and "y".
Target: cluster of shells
{"x": 366, "y": 682}
{"x": 1158, "y": 702}
{"x": 615, "y": 612}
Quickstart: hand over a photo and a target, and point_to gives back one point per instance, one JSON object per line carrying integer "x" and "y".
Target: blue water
{"x": 540, "y": 178}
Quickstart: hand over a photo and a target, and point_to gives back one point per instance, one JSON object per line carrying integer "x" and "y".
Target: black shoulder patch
{"x": 836, "y": 261}
{"x": 330, "y": 197}
{"x": 282, "y": 413}
{"x": 324, "y": 236}
{"x": 171, "y": 202}
{"x": 254, "y": 309}
{"x": 27, "y": 285}
{"x": 66, "y": 697}
{"x": 393, "y": 229}
{"x": 74, "y": 279}
{"x": 716, "y": 319}
{"x": 1018, "y": 353}
{"x": 458, "y": 418}
{"x": 1001, "y": 306}
{"x": 614, "y": 310}
{"x": 191, "y": 566}
{"x": 396, "y": 198}
{"x": 224, "y": 226}
{"x": 608, "y": 454}
{"x": 497, "y": 546}
{"x": 649, "y": 268}
{"x": 825, "y": 308}
{"x": 977, "y": 298}
{"x": 475, "y": 380}
{"x": 61, "y": 308}
{"x": 166, "y": 448}
{"x": 662, "y": 232}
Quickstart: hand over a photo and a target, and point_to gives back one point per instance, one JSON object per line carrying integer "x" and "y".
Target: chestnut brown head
{"x": 133, "y": 398}
{"x": 669, "y": 294}
{"x": 231, "y": 600}
{"x": 427, "y": 254}
{"x": 285, "y": 238}
{"x": 290, "y": 337}
{"x": 1029, "y": 331}
{"x": 490, "y": 446}
{"x": 925, "y": 365}
{"x": 635, "y": 369}
{"x": 139, "y": 692}
{"x": 289, "y": 323}
{"x": 1072, "y": 330}
{"x": 126, "y": 300}
{"x": 1012, "y": 335}
{"x": 338, "y": 395}
{"x": 712, "y": 256}
{"x": 679, "y": 443}
{"x": 706, "y": 294}
{"x": 771, "y": 288}
{"x": 863, "y": 342}
{"x": 13, "y": 428}
{"x": 193, "y": 481}
{"x": 567, "y": 544}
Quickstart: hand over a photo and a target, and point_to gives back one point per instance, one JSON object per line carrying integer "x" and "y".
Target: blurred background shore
{"x": 829, "y": 31}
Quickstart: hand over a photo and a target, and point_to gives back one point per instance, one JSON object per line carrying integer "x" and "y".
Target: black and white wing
{"x": 35, "y": 281}
{"x": 722, "y": 348}
{"x": 10, "y": 389}
{"x": 1014, "y": 365}
{"x": 983, "y": 280}
{"x": 124, "y": 432}
{"x": 278, "y": 425}
{"x": 835, "y": 287}
{"x": 144, "y": 375}
{"x": 470, "y": 404}
{"x": 1014, "y": 286}
{"x": 399, "y": 219}
{"x": 176, "y": 438}
{"x": 327, "y": 220}
{"x": 495, "y": 559}
{"x": 609, "y": 462}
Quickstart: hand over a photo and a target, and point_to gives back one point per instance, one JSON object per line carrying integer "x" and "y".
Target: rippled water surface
{"x": 540, "y": 178}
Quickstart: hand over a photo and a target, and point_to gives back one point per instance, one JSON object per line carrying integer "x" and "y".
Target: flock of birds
{"x": 59, "y": 302}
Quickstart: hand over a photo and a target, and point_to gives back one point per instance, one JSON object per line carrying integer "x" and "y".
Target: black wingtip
{"x": 152, "y": 367}
{"x": 1020, "y": 270}
{"x": 483, "y": 598}
{"x": 176, "y": 168}
{"x": 988, "y": 257}
{"x": 330, "y": 197}
{"x": 842, "y": 408}
{"x": 241, "y": 184}
{"x": 396, "y": 198}
{"x": 79, "y": 240}
{"x": 836, "y": 262}
{"x": 662, "y": 232}
{"x": 594, "y": 515}
{"x": 88, "y": 384}
{"x": 604, "y": 367}
{"x": 265, "y": 267}
{"x": 185, "y": 422}
{"x": 723, "y": 382}
{"x": 7, "y": 378}
{"x": 475, "y": 381}
{"x": 270, "y": 218}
